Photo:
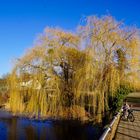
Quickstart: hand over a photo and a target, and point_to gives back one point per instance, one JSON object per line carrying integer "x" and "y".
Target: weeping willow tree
{"x": 72, "y": 75}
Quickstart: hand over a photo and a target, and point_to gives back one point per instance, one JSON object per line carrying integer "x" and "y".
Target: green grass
{"x": 134, "y": 94}
{"x": 134, "y": 97}
{"x": 133, "y": 100}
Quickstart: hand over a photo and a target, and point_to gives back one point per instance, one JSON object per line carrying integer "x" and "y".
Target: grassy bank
{"x": 134, "y": 97}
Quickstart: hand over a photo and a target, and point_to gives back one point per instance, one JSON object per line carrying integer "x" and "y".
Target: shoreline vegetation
{"x": 79, "y": 76}
{"x": 4, "y": 113}
{"x": 84, "y": 119}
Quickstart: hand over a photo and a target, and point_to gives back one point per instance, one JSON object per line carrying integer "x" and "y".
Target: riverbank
{"x": 8, "y": 114}
{"x": 5, "y": 114}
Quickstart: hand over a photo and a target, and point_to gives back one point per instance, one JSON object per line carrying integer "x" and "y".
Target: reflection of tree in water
{"x": 67, "y": 130}
{"x": 30, "y": 133}
{"x": 24, "y": 129}
{"x": 15, "y": 131}
{"x": 12, "y": 135}
{"x": 44, "y": 134}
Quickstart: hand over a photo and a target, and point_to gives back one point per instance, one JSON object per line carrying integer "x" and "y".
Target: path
{"x": 130, "y": 130}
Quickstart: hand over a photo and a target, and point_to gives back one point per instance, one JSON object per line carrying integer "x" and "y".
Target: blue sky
{"x": 22, "y": 20}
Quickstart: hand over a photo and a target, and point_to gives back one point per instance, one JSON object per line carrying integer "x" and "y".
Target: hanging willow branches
{"x": 67, "y": 75}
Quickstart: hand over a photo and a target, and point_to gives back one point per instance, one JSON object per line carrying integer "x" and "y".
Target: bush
{"x": 116, "y": 102}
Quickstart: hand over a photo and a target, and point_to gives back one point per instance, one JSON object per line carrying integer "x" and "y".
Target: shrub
{"x": 121, "y": 93}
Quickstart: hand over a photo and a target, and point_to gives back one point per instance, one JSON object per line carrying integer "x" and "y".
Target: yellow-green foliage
{"x": 67, "y": 73}
{"x": 16, "y": 97}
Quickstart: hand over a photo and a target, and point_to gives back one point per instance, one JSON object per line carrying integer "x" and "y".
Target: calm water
{"x": 12, "y": 128}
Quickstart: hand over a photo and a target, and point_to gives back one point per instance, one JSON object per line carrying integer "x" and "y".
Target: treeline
{"x": 4, "y": 95}
{"x": 76, "y": 75}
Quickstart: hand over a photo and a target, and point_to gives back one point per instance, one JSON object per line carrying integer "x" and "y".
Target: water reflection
{"x": 13, "y": 128}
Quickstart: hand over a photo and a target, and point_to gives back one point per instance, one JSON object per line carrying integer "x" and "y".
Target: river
{"x": 16, "y": 128}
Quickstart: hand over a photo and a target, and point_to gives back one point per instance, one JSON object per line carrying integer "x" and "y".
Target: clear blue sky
{"x": 22, "y": 20}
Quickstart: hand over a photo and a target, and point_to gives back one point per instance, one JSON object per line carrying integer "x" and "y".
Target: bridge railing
{"x": 110, "y": 130}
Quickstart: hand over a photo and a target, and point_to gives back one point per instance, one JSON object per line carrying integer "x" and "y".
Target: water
{"x": 13, "y": 128}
